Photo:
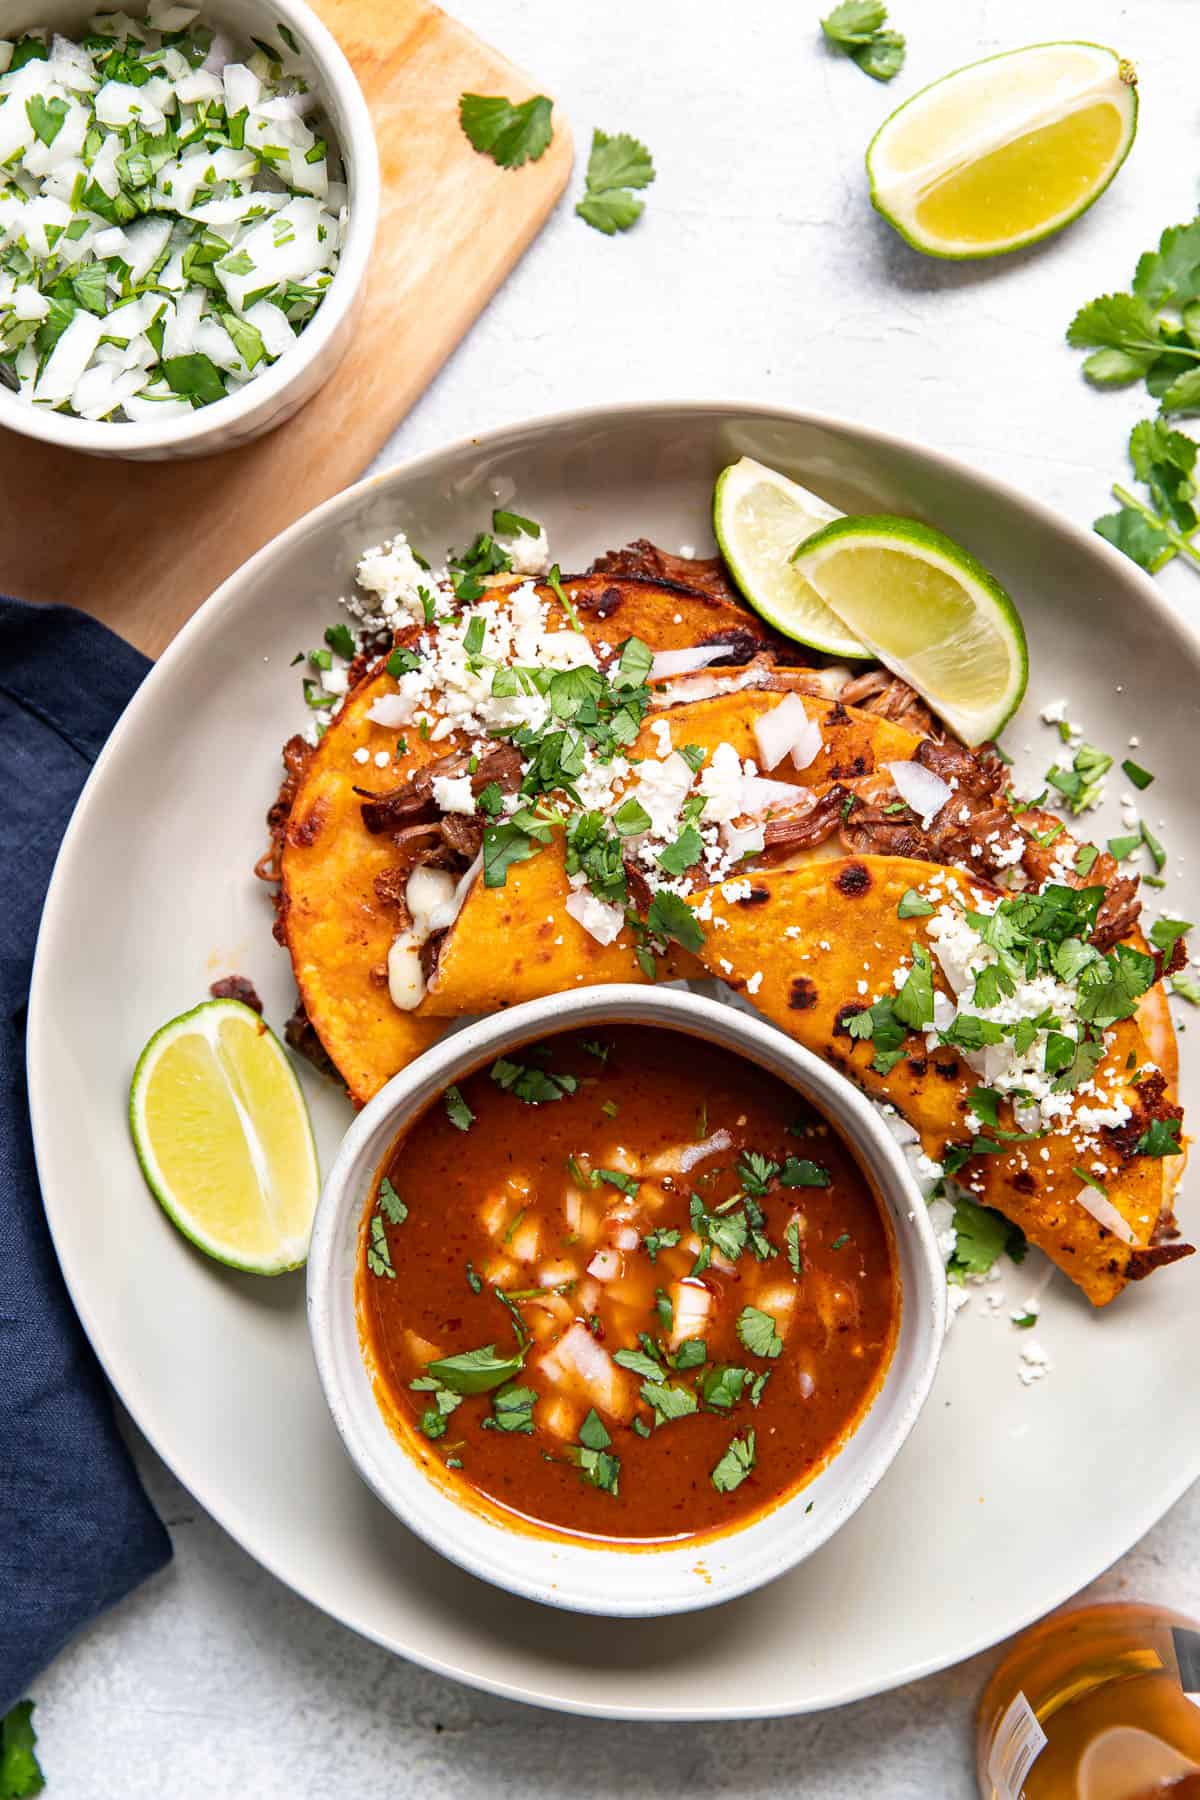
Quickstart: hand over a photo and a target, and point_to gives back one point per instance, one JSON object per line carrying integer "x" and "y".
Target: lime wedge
{"x": 223, "y": 1137}
{"x": 759, "y": 517}
{"x": 929, "y": 611}
{"x": 1005, "y": 151}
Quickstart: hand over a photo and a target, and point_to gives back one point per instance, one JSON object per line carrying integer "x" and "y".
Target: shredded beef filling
{"x": 237, "y": 987}
{"x": 706, "y": 575}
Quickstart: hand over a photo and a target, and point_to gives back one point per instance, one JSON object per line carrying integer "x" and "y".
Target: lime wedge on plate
{"x": 759, "y": 517}
{"x": 929, "y": 611}
{"x": 1005, "y": 151}
{"x": 223, "y": 1136}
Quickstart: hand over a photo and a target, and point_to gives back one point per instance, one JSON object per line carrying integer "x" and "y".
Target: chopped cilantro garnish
{"x": 913, "y": 905}
{"x": 1164, "y": 933}
{"x": 474, "y": 1281}
{"x": 672, "y": 918}
{"x": 795, "y": 1254}
{"x": 1161, "y": 1138}
{"x": 722, "y": 1385}
{"x": 1121, "y": 847}
{"x": 1085, "y": 857}
{"x": 532, "y": 1085}
{"x": 1082, "y": 784}
{"x": 1025, "y": 1321}
{"x": 1187, "y": 987}
{"x": 512, "y": 525}
{"x": 840, "y": 1242}
{"x": 691, "y": 1354}
{"x": 668, "y": 1401}
{"x": 735, "y": 1465}
{"x": 655, "y": 1241}
{"x": 638, "y": 1363}
{"x": 20, "y": 1771}
{"x": 475, "y": 1371}
{"x": 1140, "y": 778}
{"x": 757, "y": 1332}
{"x": 390, "y": 1203}
{"x": 1092, "y": 1181}
{"x": 512, "y": 1410}
{"x": 799, "y": 1171}
{"x": 340, "y": 639}
{"x": 1158, "y": 855}
{"x": 982, "y": 1236}
{"x": 457, "y": 1110}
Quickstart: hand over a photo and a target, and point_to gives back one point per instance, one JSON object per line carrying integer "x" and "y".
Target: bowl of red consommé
{"x": 623, "y": 1301}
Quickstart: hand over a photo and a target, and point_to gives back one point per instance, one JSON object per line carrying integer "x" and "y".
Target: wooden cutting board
{"x": 140, "y": 545}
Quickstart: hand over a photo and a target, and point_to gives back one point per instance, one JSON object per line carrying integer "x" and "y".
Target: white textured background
{"x": 759, "y": 272}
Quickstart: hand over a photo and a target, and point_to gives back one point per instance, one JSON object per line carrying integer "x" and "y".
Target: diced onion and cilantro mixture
{"x": 172, "y": 206}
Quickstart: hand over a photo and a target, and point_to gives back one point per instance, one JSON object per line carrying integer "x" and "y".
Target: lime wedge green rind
{"x": 929, "y": 611}
{"x": 223, "y": 1138}
{"x": 759, "y": 517}
{"x": 1055, "y": 131}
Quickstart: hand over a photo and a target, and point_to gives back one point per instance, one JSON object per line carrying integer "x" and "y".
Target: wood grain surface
{"x": 140, "y": 545}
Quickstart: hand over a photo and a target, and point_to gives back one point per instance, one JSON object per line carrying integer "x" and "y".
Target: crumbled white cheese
{"x": 528, "y": 555}
{"x": 452, "y": 793}
{"x": 662, "y": 787}
{"x": 600, "y": 920}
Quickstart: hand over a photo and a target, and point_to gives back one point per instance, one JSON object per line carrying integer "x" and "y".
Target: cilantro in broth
{"x": 735, "y": 1465}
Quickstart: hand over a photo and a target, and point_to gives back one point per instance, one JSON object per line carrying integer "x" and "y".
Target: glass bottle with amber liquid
{"x": 1098, "y": 1704}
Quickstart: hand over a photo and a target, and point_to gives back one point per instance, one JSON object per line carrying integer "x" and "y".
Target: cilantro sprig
{"x": 857, "y": 28}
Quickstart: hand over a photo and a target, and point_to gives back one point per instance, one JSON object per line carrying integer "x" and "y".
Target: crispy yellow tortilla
{"x": 337, "y": 931}
{"x": 519, "y": 943}
{"x": 799, "y": 943}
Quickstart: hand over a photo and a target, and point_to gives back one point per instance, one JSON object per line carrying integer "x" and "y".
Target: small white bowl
{"x": 582, "y": 1576}
{"x": 308, "y": 364}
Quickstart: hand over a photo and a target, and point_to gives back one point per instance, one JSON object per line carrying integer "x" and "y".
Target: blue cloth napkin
{"x": 76, "y": 1529}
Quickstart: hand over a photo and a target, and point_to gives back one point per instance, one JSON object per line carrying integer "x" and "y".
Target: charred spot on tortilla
{"x": 307, "y": 830}
{"x": 758, "y": 896}
{"x": 853, "y": 880}
{"x": 918, "y": 1065}
{"x": 802, "y": 994}
{"x": 837, "y": 715}
{"x": 947, "y": 1070}
{"x": 852, "y": 770}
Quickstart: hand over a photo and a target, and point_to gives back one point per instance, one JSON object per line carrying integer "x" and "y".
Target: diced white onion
{"x": 68, "y": 359}
{"x": 685, "y": 662}
{"x": 919, "y": 788}
{"x": 759, "y": 794}
{"x": 787, "y": 730}
{"x": 1105, "y": 1213}
{"x": 743, "y": 840}
{"x": 605, "y": 1265}
{"x": 691, "y": 1154}
{"x": 242, "y": 88}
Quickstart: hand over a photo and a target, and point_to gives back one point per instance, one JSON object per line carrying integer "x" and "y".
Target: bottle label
{"x": 1018, "y": 1743}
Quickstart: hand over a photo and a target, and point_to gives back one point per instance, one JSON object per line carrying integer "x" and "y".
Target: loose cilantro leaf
{"x": 756, "y": 1331}
{"x": 671, "y": 917}
{"x": 1164, "y": 933}
{"x": 475, "y": 1371}
{"x": 1082, "y": 784}
{"x": 1141, "y": 778}
{"x": 510, "y": 135}
{"x": 1161, "y": 1138}
{"x": 340, "y": 639}
{"x": 1121, "y": 847}
{"x": 46, "y": 116}
{"x": 627, "y": 1184}
{"x": 433, "y": 1419}
{"x": 798, "y": 1171}
{"x": 691, "y": 1353}
{"x": 601, "y": 1469}
{"x": 512, "y": 1410}
{"x": 511, "y": 525}
{"x": 795, "y": 1254}
{"x": 668, "y": 1401}
{"x": 756, "y": 1172}
{"x": 856, "y": 27}
{"x": 982, "y": 1236}
{"x": 532, "y": 1085}
{"x": 723, "y": 1385}
{"x": 379, "y": 1256}
{"x": 638, "y": 1363}
{"x": 1170, "y": 275}
{"x": 593, "y": 1434}
{"x": 913, "y": 1005}
{"x": 194, "y": 377}
{"x": 1085, "y": 858}
{"x": 735, "y": 1465}
{"x": 390, "y": 1203}
{"x": 1111, "y": 988}
{"x": 1025, "y": 1321}
{"x": 20, "y": 1771}
{"x": 913, "y": 905}
{"x": 616, "y": 165}
{"x": 457, "y": 1110}
{"x": 684, "y": 853}
{"x": 655, "y": 1241}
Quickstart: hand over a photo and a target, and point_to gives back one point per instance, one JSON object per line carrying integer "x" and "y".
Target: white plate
{"x": 1005, "y": 1499}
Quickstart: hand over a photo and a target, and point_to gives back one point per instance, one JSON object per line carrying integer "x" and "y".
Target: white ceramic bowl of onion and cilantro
{"x": 581, "y": 1576}
{"x": 280, "y": 361}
